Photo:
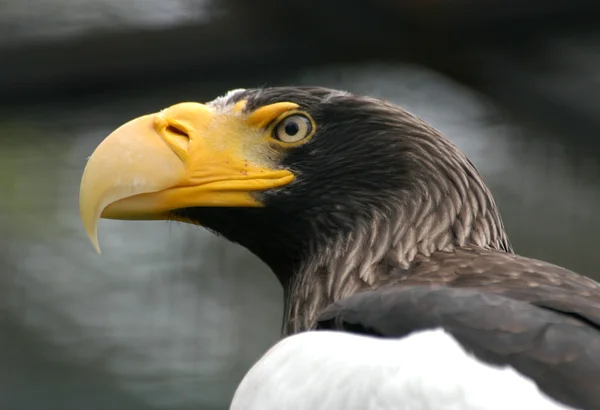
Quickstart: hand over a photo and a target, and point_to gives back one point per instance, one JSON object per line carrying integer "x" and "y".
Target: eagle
{"x": 384, "y": 237}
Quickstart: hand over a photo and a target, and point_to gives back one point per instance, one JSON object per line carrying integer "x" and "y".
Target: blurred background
{"x": 170, "y": 317}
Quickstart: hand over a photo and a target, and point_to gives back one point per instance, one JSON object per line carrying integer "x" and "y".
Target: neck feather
{"x": 442, "y": 212}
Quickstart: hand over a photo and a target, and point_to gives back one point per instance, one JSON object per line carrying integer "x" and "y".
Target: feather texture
{"x": 428, "y": 370}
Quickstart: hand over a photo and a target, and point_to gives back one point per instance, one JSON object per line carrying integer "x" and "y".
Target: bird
{"x": 380, "y": 231}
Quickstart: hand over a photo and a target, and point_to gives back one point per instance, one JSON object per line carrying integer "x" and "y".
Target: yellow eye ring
{"x": 294, "y": 128}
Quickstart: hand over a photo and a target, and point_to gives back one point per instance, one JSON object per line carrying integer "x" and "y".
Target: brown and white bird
{"x": 385, "y": 239}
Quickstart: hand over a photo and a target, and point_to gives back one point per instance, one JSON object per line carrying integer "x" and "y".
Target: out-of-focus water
{"x": 170, "y": 316}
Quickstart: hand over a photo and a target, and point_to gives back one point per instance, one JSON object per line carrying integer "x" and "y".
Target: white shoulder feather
{"x": 327, "y": 370}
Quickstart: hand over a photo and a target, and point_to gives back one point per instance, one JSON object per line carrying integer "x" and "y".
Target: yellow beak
{"x": 184, "y": 156}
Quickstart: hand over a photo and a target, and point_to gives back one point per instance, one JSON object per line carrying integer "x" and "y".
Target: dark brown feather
{"x": 539, "y": 318}
{"x": 539, "y": 283}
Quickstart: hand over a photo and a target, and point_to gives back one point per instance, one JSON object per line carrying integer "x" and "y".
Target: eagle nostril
{"x": 176, "y": 130}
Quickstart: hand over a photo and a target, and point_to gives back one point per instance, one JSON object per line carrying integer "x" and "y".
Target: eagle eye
{"x": 293, "y": 129}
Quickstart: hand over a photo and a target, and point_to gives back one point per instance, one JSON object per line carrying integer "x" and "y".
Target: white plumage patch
{"x": 224, "y": 101}
{"x": 428, "y": 370}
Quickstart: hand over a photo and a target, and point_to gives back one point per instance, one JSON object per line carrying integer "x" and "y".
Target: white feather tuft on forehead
{"x": 225, "y": 100}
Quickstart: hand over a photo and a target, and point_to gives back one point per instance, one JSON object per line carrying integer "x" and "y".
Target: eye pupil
{"x": 291, "y": 128}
